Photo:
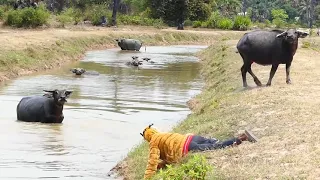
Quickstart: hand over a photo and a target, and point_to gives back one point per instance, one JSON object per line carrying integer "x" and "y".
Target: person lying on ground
{"x": 169, "y": 148}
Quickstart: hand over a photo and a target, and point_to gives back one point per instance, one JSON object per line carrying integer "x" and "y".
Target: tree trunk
{"x": 313, "y": 4}
{"x": 244, "y": 7}
{"x": 114, "y": 12}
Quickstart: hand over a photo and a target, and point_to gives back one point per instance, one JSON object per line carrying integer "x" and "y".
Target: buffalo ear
{"x": 68, "y": 93}
{"x": 302, "y": 34}
{"x": 281, "y": 35}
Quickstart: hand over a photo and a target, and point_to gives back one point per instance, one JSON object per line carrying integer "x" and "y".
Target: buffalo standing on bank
{"x": 268, "y": 48}
{"x": 45, "y": 109}
{"x": 129, "y": 44}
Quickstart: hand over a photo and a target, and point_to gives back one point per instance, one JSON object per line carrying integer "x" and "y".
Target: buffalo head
{"x": 78, "y": 71}
{"x": 292, "y": 35}
{"x": 59, "y": 96}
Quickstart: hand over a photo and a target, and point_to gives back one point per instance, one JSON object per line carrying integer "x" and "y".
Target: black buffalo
{"x": 80, "y": 71}
{"x": 268, "y": 48}
{"x": 129, "y": 44}
{"x": 45, "y": 109}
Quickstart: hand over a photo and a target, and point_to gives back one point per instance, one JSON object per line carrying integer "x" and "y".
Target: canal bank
{"x": 28, "y": 51}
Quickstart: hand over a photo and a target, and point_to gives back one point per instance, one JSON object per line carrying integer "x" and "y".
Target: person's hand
{"x": 161, "y": 165}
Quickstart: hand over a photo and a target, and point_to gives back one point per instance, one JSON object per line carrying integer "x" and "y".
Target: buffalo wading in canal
{"x": 44, "y": 109}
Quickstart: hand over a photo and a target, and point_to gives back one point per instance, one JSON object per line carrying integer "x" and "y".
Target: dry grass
{"x": 284, "y": 117}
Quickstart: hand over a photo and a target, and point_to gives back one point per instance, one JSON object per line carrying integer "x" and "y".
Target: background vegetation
{"x": 219, "y": 14}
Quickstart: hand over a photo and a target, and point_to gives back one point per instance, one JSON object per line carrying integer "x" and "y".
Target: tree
{"x": 171, "y": 11}
{"x": 114, "y": 12}
{"x": 279, "y": 17}
{"x": 198, "y": 10}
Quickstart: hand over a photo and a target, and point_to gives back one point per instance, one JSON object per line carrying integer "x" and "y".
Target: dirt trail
{"x": 286, "y": 118}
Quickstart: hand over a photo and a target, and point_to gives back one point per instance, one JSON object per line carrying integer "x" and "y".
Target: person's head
{"x": 148, "y": 132}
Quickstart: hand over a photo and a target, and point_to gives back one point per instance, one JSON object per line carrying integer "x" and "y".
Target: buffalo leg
{"x": 288, "y": 80}
{"x": 244, "y": 70}
{"x": 272, "y": 72}
{"x": 256, "y": 80}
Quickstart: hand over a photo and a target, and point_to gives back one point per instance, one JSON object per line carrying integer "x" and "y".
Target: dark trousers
{"x": 199, "y": 143}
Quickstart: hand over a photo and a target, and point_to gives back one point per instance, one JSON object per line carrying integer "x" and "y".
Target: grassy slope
{"x": 25, "y": 51}
{"x": 284, "y": 117}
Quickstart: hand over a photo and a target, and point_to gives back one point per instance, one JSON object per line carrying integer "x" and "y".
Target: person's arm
{"x": 154, "y": 155}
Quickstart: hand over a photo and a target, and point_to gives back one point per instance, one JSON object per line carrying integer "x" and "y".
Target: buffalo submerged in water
{"x": 268, "y": 48}
{"x": 45, "y": 109}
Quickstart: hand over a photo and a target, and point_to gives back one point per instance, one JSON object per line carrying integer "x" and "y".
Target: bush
{"x": 241, "y": 23}
{"x": 158, "y": 23}
{"x": 139, "y": 20}
{"x": 306, "y": 44}
{"x": 196, "y": 168}
{"x": 95, "y": 12}
{"x": 70, "y": 15}
{"x": 198, "y": 10}
{"x": 28, "y": 17}
{"x": 1, "y": 13}
{"x": 188, "y": 22}
{"x": 212, "y": 22}
{"x": 146, "y": 13}
{"x": 279, "y": 23}
{"x": 267, "y": 23}
{"x": 65, "y": 17}
{"x": 225, "y": 23}
{"x": 204, "y": 24}
{"x": 196, "y": 24}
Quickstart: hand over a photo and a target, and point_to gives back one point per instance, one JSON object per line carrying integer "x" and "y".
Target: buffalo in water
{"x": 129, "y": 44}
{"x": 80, "y": 71}
{"x": 45, "y": 109}
{"x": 268, "y": 48}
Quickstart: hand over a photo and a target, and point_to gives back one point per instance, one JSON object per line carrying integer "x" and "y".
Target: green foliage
{"x": 95, "y": 12}
{"x": 241, "y": 23}
{"x": 196, "y": 168}
{"x": 279, "y": 14}
{"x": 213, "y": 19}
{"x": 225, "y": 23}
{"x": 2, "y": 13}
{"x": 171, "y": 11}
{"x": 139, "y": 20}
{"x": 28, "y": 17}
{"x": 198, "y": 10}
{"x": 146, "y": 13}
{"x": 70, "y": 15}
{"x": 137, "y": 5}
{"x": 306, "y": 44}
{"x": 188, "y": 22}
{"x": 196, "y": 24}
{"x": 279, "y": 17}
{"x": 65, "y": 16}
{"x": 204, "y": 24}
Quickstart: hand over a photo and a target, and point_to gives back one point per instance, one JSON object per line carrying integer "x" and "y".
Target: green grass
{"x": 207, "y": 118}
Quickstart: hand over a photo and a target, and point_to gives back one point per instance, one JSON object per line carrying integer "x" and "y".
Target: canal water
{"x": 103, "y": 116}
